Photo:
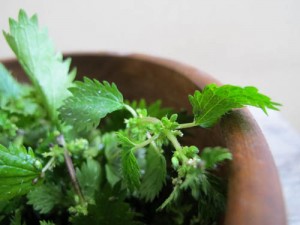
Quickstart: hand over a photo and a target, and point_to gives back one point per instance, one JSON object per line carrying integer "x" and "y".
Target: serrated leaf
{"x": 109, "y": 209}
{"x": 91, "y": 101}
{"x": 17, "y": 218}
{"x": 24, "y": 106}
{"x": 212, "y": 201}
{"x": 43, "y": 222}
{"x": 213, "y": 102}
{"x": 112, "y": 153}
{"x": 45, "y": 197}
{"x": 155, "y": 175}
{"x": 214, "y": 155}
{"x": 7, "y": 127}
{"x": 124, "y": 140}
{"x": 89, "y": 178}
{"x": 130, "y": 169}
{"x": 18, "y": 169}
{"x": 196, "y": 181}
{"x": 46, "y": 69}
{"x": 10, "y": 89}
{"x": 113, "y": 174}
{"x": 154, "y": 109}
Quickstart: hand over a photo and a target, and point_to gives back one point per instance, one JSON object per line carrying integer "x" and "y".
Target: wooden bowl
{"x": 254, "y": 191}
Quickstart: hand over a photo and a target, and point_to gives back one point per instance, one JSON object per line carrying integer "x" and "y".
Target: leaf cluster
{"x": 58, "y": 166}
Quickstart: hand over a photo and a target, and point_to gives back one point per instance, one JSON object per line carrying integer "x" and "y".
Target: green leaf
{"x": 155, "y": 175}
{"x": 45, "y": 197}
{"x": 197, "y": 181}
{"x": 109, "y": 209}
{"x": 89, "y": 178}
{"x": 17, "y": 219}
{"x": 124, "y": 140}
{"x": 112, "y": 153}
{"x": 154, "y": 109}
{"x": 91, "y": 101}
{"x": 213, "y": 102}
{"x": 215, "y": 155}
{"x": 18, "y": 169}
{"x": 10, "y": 89}
{"x": 46, "y": 69}
{"x": 212, "y": 202}
{"x": 7, "y": 127}
{"x": 43, "y": 222}
{"x": 113, "y": 175}
{"x": 24, "y": 107}
{"x": 130, "y": 169}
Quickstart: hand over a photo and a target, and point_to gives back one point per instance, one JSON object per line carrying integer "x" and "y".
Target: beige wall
{"x": 246, "y": 42}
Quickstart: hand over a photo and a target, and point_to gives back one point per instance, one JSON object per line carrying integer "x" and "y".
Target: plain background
{"x": 244, "y": 42}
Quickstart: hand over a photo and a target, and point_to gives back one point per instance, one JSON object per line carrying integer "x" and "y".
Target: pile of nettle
{"x": 59, "y": 166}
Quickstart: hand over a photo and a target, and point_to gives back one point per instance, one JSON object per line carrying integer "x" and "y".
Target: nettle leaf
{"x": 196, "y": 181}
{"x": 130, "y": 169}
{"x": 18, "y": 169}
{"x": 10, "y": 89}
{"x": 45, "y": 197}
{"x": 213, "y": 102}
{"x": 43, "y": 222}
{"x": 112, "y": 153}
{"x": 154, "y": 109}
{"x": 7, "y": 127}
{"x": 15, "y": 98}
{"x": 46, "y": 69}
{"x": 17, "y": 218}
{"x": 109, "y": 208}
{"x": 89, "y": 178}
{"x": 155, "y": 175}
{"x": 91, "y": 101}
{"x": 124, "y": 140}
{"x": 214, "y": 155}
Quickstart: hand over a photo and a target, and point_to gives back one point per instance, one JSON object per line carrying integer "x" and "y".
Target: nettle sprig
{"x": 53, "y": 149}
{"x": 92, "y": 101}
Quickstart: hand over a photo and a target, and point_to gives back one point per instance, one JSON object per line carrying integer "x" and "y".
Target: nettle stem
{"x": 131, "y": 110}
{"x": 173, "y": 140}
{"x": 70, "y": 166}
{"x": 48, "y": 166}
{"x": 151, "y": 119}
{"x": 147, "y": 142}
{"x": 186, "y": 125}
{"x": 153, "y": 144}
{"x": 176, "y": 145}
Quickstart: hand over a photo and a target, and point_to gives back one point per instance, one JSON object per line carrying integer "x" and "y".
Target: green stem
{"x": 186, "y": 125}
{"x": 145, "y": 143}
{"x": 131, "y": 110}
{"x": 152, "y": 143}
{"x": 18, "y": 140}
{"x": 150, "y": 119}
{"x": 173, "y": 140}
{"x": 47, "y": 166}
{"x": 70, "y": 166}
{"x": 72, "y": 174}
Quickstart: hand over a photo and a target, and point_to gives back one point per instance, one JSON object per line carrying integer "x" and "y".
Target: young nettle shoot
{"x": 60, "y": 155}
